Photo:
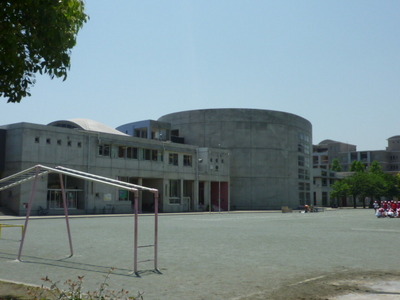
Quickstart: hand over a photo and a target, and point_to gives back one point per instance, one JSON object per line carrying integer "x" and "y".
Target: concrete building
{"x": 328, "y": 150}
{"x": 213, "y": 159}
{"x": 184, "y": 174}
{"x": 270, "y": 152}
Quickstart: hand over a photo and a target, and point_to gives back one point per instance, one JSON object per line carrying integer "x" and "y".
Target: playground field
{"x": 238, "y": 255}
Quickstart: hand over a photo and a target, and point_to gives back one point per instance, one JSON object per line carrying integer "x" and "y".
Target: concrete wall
{"x": 264, "y": 150}
{"x": 30, "y": 144}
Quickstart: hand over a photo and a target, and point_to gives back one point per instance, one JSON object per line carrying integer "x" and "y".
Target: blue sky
{"x": 335, "y": 63}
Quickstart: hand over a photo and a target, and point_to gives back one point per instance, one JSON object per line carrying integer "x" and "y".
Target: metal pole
{"x": 135, "y": 239}
{"x": 219, "y": 179}
{"x": 66, "y": 214}
{"x": 28, "y": 212}
{"x": 156, "y": 232}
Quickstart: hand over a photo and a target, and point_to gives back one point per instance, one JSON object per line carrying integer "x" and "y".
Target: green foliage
{"x": 336, "y": 167}
{"x": 340, "y": 189}
{"x": 357, "y": 166}
{"x": 74, "y": 291}
{"x": 36, "y": 36}
{"x": 372, "y": 184}
{"x": 375, "y": 168}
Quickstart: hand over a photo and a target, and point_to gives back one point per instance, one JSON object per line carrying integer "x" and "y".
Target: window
{"x": 187, "y": 160}
{"x": 154, "y": 155}
{"x": 37, "y": 139}
{"x": 123, "y": 195}
{"x": 306, "y": 174}
{"x": 300, "y": 161}
{"x": 121, "y": 151}
{"x": 146, "y": 154}
{"x": 132, "y": 152}
{"x": 48, "y": 141}
{"x": 141, "y": 132}
{"x": 79, "y": 144}
{"x": 324, "y": 198}
{"x": 301, "y": 174}
{"x": 173, "y": 159}
{"x": 174, "y": 192}
{"x": 59, "y": 142}
{"x": 104, "y": 150}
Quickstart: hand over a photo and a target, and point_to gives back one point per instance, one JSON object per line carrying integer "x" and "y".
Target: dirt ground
{"x": 10, "y": 291}
{"x": 340, "y": 286}
{"x": 341, "y": 255}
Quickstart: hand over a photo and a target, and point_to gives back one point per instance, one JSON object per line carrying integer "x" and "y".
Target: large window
{"x": 132, "y": 152}
{"x": 154, "y": 155}
{"x": 105, "y": 150}
{"x": 141, "y": 132}
{"x": 187, "y": 160}
{"x": 55, "y": 200}
{"x": 173, "y": 159}
{"x": 175, "y": 192}
{"x": 121, "y": 151}
{"x": 123, "y": 195}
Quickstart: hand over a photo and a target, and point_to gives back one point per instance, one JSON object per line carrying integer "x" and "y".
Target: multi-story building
{"x": 325, "y": 152}
{"x": 270, "y": 152}
{"x": 172, "y": 168}
{"x": 216, "y": 159}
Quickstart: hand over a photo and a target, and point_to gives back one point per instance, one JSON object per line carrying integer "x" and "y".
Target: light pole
{"x": 219, "y": 179}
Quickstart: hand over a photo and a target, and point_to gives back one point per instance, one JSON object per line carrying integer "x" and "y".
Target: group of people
{"x": 387, "y": 209}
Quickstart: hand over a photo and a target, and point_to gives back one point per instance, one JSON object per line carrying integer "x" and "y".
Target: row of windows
{"x": 59, "y": 142}
{"x": 304, "y": 186}
{"x": 126, "y": 152}
{"x": 174, "y": 190}
{"x": 304, "y": 174}
{"x": 304, "y": 198}
{"x": 303, "y": 161}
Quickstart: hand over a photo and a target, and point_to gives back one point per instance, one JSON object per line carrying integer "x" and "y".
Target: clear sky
{"x": 335, "y": 63}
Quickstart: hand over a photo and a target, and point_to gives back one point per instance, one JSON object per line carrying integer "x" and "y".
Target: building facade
{"x": 203, "y": 160}
{"x": 328, "y": 150}
{"x": 91, "y": 147}
{"x": 270, "y": 152}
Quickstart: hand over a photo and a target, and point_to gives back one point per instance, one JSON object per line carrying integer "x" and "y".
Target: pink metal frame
{"x": 136, "y": 235}
{"x": 131, "y": 187}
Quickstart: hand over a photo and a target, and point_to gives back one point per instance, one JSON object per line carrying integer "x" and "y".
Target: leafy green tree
{"x": 357, "y": 166}
{"x": 336, "y": 167}
{"x": 392, "y": 185}
{"x": 357, "y": 183}
{"x": 371, "y": 184}
{"x": 340, "y": 190}
{"x": 375, "y": 168}
{"x": 36, "y": 36}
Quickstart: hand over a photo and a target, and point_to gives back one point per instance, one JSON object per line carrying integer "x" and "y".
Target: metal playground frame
{"x": 35, "y": 172}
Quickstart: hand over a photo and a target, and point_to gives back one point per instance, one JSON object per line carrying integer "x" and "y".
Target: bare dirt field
{"x": 338, "y": 254}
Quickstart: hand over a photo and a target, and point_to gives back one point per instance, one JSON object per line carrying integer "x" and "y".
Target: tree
{"x": 336, "y": 167}
{"x": 340, "y": 190}
{"x": 375, "y": 168}
{"x": 36, "y": 36}
{"x": 357, "y": 166}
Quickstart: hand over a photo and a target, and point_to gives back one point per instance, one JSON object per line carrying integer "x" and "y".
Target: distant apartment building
{"x": 327, "y": 151}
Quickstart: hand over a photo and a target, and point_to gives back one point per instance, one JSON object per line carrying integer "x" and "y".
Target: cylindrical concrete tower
{"x": 270, "y": 152}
